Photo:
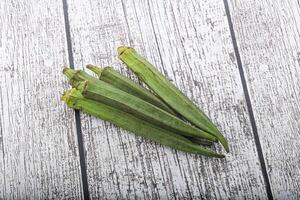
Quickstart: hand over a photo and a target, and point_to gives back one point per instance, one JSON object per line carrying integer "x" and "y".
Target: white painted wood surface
{"x": 268, "y": 36}
{"x": 38, "y": 151}
{"x": 189, "y": 41}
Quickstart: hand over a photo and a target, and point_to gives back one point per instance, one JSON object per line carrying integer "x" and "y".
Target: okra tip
{"x": 123, "y": 49}
{"x": 213, "y": 154}
{"x": 220, "y": 156}
{"x": 227, "y": 148}
{"x": 224, "y": 142}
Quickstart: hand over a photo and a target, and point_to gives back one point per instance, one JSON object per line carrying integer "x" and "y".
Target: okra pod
{"x": 168, "y": 92}
{"x": 111, "y": 76}
{"x": 75, "y": 100}
{"x": 105, "y": 93}
{"x": 200, "y": 141}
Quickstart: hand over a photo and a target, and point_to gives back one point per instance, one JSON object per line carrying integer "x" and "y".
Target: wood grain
{"x": 38, "y": 150}
{"x": 268, "y": 36}
{"x": 189, "y": 41}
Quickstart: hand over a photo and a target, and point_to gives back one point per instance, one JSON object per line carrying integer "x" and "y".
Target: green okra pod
{"x": 75, "y": 100}
{"x": 111, "y": 76}
{"x": 168, "y": 92}
{"x": 105, "y": 93}
{"x": 200, "y": 141}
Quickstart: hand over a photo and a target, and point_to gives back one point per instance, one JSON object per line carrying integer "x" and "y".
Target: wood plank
{"x": 38, "y": 149}
{"x": 189, "y": 41}
{"x": 268, "y": 37}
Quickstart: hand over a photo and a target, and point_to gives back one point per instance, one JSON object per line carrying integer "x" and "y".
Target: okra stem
{"x": 74, "y": 99}
{"x": 95, "y": 69}
{"x": 78, "y": 75}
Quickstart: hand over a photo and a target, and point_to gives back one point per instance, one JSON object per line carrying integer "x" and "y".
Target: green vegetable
{"x": 74, "y": 99}
{"x": 168, "y": 92}
{"x": 200, "y": 141}
{"x": 78, "y": 75}
{"x": 105, "y": 93}
{"x": 111, "y": 76}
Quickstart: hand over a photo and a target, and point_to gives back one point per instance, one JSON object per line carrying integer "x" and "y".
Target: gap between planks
{"x": 83, "y": 170}
{"x": 248, "y": 102}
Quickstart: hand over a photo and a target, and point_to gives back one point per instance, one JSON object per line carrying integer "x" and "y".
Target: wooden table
{"x": 238, "y": 60}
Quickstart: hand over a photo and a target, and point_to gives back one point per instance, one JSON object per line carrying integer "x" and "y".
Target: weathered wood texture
{"x": 189, "y": 41}
{"x": 38, "y": 150}
{"x": 268, "y": 36}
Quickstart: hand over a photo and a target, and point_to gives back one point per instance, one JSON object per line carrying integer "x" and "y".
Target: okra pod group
{"x": 161, "y": 113}
{"x": 105, "y": 93}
